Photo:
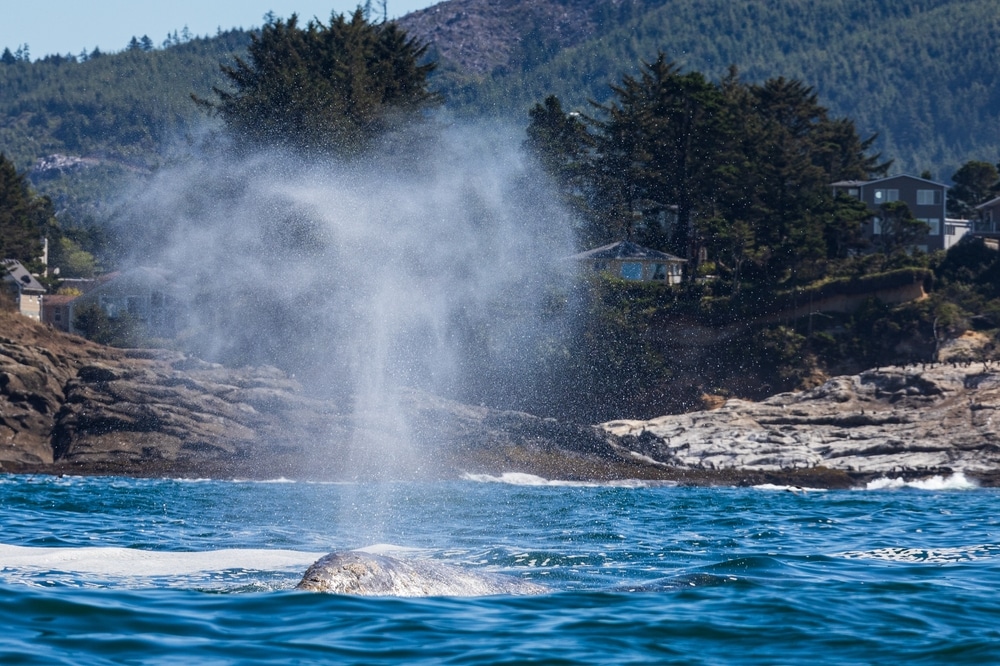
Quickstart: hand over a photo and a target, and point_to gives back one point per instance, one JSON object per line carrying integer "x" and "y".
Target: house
{"x": 925, "y": 198}
{"x": 56, "y": 311}
{"x": 988, "y": 221}
{"x": 143, "y": 294}
{"x": 955, "y": 230}
{"x": 630, "y": 261}
{"x": 27, "y": 291}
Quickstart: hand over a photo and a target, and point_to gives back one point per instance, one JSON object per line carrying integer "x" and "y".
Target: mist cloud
{"x": 430, "y": 264}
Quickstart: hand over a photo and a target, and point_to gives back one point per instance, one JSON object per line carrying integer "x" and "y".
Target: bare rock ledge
{"x": 898, "y": 421}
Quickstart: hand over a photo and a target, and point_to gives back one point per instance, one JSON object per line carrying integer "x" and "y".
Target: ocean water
{"x": 138, "y": 571}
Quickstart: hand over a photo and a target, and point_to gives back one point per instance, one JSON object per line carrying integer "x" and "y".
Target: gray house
{"x": 925, "y": 199}
{"x": 629, "y": 261}
{"x": 144, "y": 294}
{"x": 989, "y": 217}
{"x": 26, "y": 290}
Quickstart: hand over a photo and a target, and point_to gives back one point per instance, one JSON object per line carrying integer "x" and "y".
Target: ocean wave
{"x": 792, "y": 489}
{"x": 523, "y": 479}
{"x": 957, "y": 481}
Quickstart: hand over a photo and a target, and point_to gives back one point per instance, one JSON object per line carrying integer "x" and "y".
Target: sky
{"x": 71, "y": 26}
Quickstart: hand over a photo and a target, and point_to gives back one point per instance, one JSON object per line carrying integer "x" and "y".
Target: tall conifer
{"x": 324, "y": 88}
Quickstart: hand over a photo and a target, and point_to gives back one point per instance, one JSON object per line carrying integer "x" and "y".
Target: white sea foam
{"x": 792, "y": 489}
{"x": 956, "y": 481}
{"x": 928, "y": 555}
{"x": 522, "y": 479}
{"x": 130, "y": 562}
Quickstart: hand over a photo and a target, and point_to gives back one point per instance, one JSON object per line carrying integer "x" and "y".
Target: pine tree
{"x": 25, "y": 218}
{"x": 900, "y": 230}
{"x": 975, "y": 183}
{"x": 325, "y": 88}
{"x": 561, "y": 143}
{"x": 746, "y": 169}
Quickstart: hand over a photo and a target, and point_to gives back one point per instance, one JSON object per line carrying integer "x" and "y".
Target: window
{"x": 659, "y": 272}
{"x": 877, "y": 226}
{"x": 928, "y": 197}
{"x": 632, "y": 270}
{"x": 934, "y": 224}
{"x": 133, "y": 304}
{"x": 885, "y": 196}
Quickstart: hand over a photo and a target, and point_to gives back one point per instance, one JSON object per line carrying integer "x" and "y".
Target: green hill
{"x": 107, "y": 118}
{"x": 924, "y": 75}
{"x": 122, "y": 106}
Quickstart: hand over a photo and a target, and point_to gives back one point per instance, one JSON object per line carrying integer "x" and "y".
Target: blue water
{"x": 119, "y": 571}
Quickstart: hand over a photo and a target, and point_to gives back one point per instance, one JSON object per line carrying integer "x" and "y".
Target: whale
{"x": 366, "y": 574}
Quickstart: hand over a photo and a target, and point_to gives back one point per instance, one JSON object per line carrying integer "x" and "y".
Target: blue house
{"x": 630, "y": 261}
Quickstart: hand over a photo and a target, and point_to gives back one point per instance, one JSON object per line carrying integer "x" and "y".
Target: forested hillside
{"x": 924, "y": 75}
{"x": 121, "y": 107}
{"x": 83, "y": 126}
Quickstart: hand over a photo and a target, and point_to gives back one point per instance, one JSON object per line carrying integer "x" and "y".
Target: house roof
{"x": 859, "y": 183}
{"x": 57, "y": 300}
{"x": 625, "y": 250}
{"x": 26, "y": 282}
{"x": 150, "y": 277}
{"x": 989, "y": 204}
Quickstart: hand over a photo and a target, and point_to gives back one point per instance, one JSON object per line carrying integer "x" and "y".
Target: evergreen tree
{"x": 25, "y": 218}
{"x": 325, "y": 88}
{"x": 7, "y": 58}
{"x": 975, "y": 183}
{"x": 561, "y": 143}
{"x": 666, "y": 131}
{"x": 745, "y": 168}
{"x": 900, "y": 230}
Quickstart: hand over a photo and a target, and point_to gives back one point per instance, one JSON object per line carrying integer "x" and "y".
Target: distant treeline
{"x": 125, "y": 105}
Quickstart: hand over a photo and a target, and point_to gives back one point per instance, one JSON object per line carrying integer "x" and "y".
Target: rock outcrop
{"x": 70, "y": 406}
{"x": 917, "y": 420}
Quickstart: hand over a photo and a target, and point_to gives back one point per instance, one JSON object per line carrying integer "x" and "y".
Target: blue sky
{"x": 70, "y": 26}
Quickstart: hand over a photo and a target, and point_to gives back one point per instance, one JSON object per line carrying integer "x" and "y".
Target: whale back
{"x": 365, "y": 574}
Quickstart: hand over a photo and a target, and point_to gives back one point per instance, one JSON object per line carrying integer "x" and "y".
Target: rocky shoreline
{"x": 68, "y": 406}
{"x": 907, "y": 422}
